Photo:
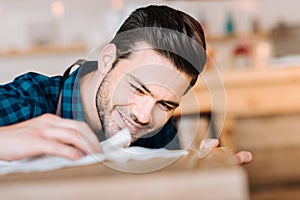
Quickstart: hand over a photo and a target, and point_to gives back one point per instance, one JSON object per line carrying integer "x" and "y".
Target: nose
{"x": 142, "y": 109}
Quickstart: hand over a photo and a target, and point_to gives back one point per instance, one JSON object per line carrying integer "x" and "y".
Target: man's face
{"x": 140, "y": 93}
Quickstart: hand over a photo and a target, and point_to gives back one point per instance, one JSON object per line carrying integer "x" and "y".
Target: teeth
{"x": 127, "y": 122}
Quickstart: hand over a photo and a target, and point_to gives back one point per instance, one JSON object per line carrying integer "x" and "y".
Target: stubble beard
{"x": 105, "y": 108}
{"x": 103, "y": 103}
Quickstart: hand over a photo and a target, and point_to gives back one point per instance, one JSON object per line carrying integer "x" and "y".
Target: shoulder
{"x": 33, "y": 82}
{"x": 36, "y": 78}
{"x": 32, "y": 88}
{"x": 27, "y": 96}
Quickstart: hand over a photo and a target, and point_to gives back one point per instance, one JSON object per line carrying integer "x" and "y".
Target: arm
{"x": 47, "y": 134}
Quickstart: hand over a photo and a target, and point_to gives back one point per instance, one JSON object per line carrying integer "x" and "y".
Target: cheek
{"x": 121, "y": 94}
{"x": 160, "y": 117}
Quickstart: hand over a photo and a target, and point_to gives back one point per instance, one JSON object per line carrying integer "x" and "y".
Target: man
{"x": 137, "y": 83}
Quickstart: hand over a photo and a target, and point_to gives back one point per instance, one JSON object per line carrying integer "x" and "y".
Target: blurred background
{"x": 255, "y": 44}
{"x": 48, "y": 35}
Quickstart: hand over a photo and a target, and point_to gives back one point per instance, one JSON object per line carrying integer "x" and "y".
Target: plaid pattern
{"x": 31, "y": 95}
{"x": 28, "y": 96}
{"x": 71, "y": 103}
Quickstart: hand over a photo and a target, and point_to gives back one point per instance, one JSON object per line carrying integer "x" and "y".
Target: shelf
{"x": 228, "y": 38}
{"x": 45, "y": 49}
{"x": 248, "y": 93}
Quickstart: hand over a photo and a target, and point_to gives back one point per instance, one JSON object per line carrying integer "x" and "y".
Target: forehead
{"x": 152, "y": 69}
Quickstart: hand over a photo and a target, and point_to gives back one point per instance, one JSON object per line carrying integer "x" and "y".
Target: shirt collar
{"x": 71, "y": 107}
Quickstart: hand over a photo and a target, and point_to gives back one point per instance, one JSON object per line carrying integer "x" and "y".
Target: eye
{"x": 166, "y": 107}
{"x": 137, "y": 90}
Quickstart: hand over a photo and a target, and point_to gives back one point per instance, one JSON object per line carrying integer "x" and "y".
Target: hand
{"x": 207, "y": 145}
{"x": 47, "y": 134}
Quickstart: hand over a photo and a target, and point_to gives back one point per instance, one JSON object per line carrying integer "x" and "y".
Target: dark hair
{"x": 171, "y": 33}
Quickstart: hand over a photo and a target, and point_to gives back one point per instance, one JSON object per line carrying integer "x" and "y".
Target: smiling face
{"x": 140, "y": 93}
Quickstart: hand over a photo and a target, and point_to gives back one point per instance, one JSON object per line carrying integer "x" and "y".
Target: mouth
{"x": 125, "y": 122}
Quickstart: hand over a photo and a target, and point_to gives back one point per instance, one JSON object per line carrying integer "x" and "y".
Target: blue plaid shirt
{"x": 31, "y": 95}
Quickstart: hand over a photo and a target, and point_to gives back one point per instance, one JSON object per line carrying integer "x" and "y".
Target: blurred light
{"x": 262, "y": 54}
{"x": 248, "y": 5}
{"x": 117, "y": 5}
{"x": 58, "y": 8}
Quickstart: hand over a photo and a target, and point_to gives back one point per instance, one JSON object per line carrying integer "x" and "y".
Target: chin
{"x": 108, "y": 134}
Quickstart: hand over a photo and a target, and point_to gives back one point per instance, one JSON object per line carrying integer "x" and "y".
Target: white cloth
{"x": 114, "y": 149}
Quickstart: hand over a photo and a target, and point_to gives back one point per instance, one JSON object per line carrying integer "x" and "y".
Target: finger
{"x": 206, "y": 146}
{"x": 72, "y": 137}
{"x": 243, "y": 157}
{"x": 81, "y": 130}
{"x": 61, "y": 150}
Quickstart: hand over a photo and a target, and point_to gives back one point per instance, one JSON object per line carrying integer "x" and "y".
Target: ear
{"x": 106, "y": 58}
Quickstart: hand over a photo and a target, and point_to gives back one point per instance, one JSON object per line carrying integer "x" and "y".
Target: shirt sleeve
{"x": 26, "y": 97}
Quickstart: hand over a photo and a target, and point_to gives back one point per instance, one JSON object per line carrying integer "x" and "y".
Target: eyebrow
{"x": 147, "y": 90}
{"x": 141, "y": 84}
